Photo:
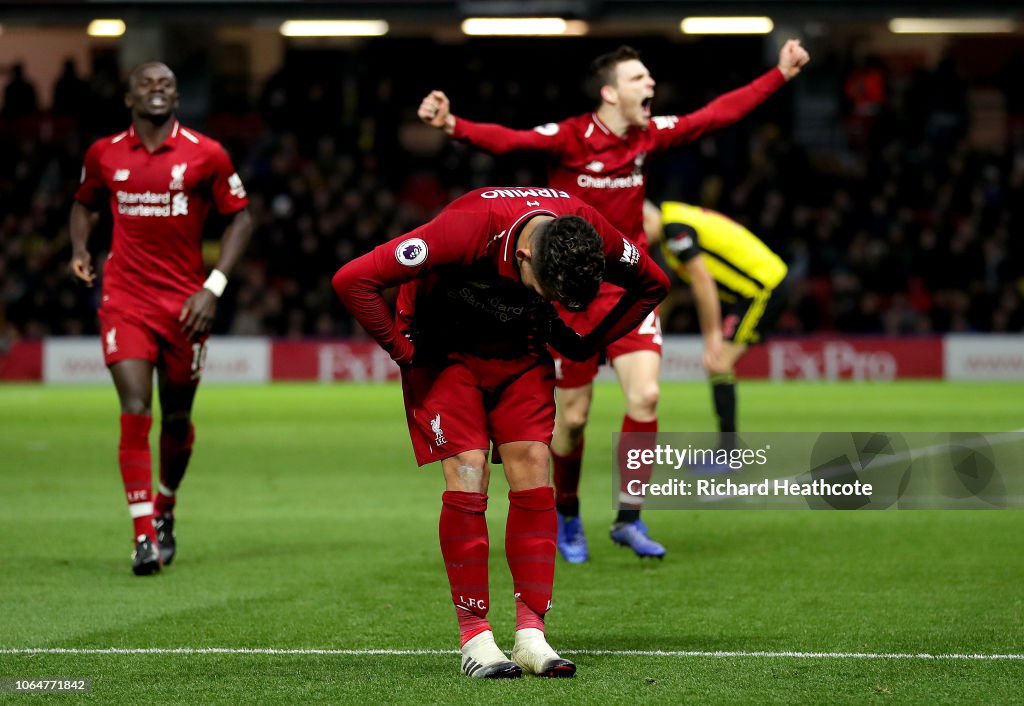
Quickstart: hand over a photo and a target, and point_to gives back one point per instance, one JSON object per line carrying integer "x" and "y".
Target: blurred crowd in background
{"x": 895, "y": 193}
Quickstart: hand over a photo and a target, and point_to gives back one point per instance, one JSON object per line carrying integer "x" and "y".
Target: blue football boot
{"x": 572, "y": 543}
{"x": 634, "y": 535}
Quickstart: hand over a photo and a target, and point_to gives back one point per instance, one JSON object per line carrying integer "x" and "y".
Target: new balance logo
{"x": 533, "y": 203}
{"x": 112, "y": 341}
{"x": 178, "y": 176}
{"x": 630, "y": 253}
{"x": 121, "y": 174}
{"x": 435, "y": 426}
{"x": 595, "y": 166}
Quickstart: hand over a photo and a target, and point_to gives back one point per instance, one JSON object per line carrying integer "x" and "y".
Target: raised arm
{"x": 435, "y": 110}
{"x": 727, "y": 109}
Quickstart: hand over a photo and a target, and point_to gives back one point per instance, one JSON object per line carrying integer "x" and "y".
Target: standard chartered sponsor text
{"x": 151, "y": 203}
{"x": 590, "y": 182}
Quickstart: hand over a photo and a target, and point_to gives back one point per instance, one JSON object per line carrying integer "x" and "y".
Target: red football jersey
{"x": 159, "y": 201}
{"x": 461, "y": 288}
{"x": 608, "y": 171}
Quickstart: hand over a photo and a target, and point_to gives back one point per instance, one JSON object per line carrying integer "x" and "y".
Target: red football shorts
{"x": 467, "y": 402}
{"x": 645, "y": 337}
{"x": 153, "y": 337}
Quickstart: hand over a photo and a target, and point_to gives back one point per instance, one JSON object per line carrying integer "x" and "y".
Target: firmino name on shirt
{"x": 520, "y": 193}
{"x": 151, "y": 203}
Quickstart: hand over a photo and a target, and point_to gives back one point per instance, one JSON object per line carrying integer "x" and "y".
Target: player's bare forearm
{"x": 234, "y": 241}
{"x": 198, "y": 311}
{"x": 709, "y": 312}
{"x": 82, "y": 222}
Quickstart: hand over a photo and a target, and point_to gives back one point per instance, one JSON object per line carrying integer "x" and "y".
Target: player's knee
{"x": 574, "y": 419}
{"x": 643, "y": 400}
{"x": 177, "y": 426}
{"x": 467, "y": 472}
{"x": 528, "y": 468}
{"x": 135, "y": 405}
{"x": 537, "y": 457}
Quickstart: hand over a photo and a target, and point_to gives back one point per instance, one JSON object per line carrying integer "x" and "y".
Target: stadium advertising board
{"x": 253, "y": 360}
{"x": 984, "y": 357}
{"x": 869, "y": 359}
{"x": 229, "y": 360}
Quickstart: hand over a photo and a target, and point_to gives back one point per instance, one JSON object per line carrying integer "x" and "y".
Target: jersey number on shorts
{"x": 198, "y": 359}
{"x": 651, "y": 327}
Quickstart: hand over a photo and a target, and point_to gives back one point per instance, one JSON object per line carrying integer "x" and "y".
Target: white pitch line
{"x": 388, "y": 652}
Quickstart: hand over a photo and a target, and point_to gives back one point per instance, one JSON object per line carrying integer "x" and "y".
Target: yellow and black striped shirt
{"x": 743, "y": 266}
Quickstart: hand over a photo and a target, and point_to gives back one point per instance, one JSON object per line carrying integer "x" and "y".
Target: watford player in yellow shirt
{"x": 702, "y": 245}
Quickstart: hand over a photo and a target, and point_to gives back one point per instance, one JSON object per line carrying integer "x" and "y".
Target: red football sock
{"x": 174, "y": 457}
{"x": 641, "y": 474}
{"x": 136, "y": 471}
{"x": 464, "y": 546}
{"x": 530, "y": 550}
{"x": 566, "y": 473}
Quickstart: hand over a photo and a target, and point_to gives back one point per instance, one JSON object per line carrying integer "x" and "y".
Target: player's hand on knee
{"x": 197, "y": 313}
{"x": 713, "y": 359}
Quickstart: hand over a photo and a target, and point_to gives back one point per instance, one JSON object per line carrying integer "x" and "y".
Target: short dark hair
{"x": 602, "y": 69}
{"x": 568, "y": 260}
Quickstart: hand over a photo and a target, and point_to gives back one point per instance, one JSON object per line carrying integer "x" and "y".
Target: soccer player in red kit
{"x": 600, "y": 157}
{"x": 471, "y": 329}
{"x": 158, "y": 303}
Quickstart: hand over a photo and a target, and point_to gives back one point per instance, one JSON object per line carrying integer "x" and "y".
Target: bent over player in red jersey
{"x": 471, "y": 330}
{"x": 601, "y": 158}
{"x": 156, "y": 309}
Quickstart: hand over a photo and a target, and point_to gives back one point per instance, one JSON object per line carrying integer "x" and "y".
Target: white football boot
{"x": 533, "y": 653}
{"x": 482, "y": 659}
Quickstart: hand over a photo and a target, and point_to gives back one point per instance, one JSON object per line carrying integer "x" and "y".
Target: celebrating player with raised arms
{"x": 160, "y": 180}
{"x": 601, "y": 158}
{"x": 471, "y": 331}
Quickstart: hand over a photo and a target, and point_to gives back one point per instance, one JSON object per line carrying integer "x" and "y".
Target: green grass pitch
{"x": 304, "y": 524}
